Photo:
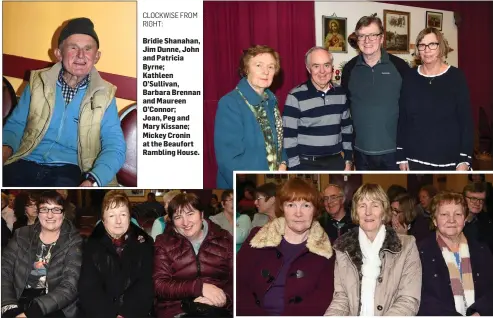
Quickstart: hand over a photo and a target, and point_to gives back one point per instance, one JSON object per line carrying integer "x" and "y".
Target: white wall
{"x": 353, "y": 11}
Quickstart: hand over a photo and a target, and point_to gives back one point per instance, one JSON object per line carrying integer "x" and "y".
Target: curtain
{"x": 229, "y": 28}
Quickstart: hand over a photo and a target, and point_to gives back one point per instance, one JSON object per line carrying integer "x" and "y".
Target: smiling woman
{"x": 193, "y": 263}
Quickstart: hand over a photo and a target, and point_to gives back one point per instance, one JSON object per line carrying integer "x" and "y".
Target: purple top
{"x": 274, "y": 298}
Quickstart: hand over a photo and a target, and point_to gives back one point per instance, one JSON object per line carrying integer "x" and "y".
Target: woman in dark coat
{"x": 457, "y": 276}
{"x": 41, "y": 265}
{"x": 193, "y": 262}
{"x": 116, "y": 275}
{"x": 286, "y": 267}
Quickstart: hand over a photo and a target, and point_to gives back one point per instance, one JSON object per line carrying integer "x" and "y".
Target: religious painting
{"x": 334, "y": 34}
{"x": 396, "y": 31}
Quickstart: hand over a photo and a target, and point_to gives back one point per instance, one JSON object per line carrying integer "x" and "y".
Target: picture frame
{"x": 134, "y": 192}
{"x": 334, "y": 32}
{"x": 397, "y": 26}
{"x": 434, "y": 20}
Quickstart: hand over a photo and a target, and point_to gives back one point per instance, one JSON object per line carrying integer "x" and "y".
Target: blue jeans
{"x": 378, "y": 162}
{"x": 23, "y": 173}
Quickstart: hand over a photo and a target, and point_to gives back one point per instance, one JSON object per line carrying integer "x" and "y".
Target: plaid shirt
{"x": 69, "y": 92}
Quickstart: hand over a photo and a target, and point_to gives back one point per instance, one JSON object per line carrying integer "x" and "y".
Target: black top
{"x": 435, "y": 120}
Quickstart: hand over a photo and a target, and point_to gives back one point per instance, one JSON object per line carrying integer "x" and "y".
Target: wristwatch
{"x": 349, "y": 162}
{"x": 90, "y": 177}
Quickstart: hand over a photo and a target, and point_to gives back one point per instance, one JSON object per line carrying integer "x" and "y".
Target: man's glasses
{"x": 371, "y": 37}
{"x": 432, "y": 46}
{"x": 259, "y": 198}
{"x": 332, "y": 198}
{"x": 53, "y": 210}
{"x": 476, "y": 200}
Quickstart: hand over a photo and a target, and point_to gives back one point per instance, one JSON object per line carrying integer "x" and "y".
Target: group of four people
{"x": 384, "y": 116}
{"x": 47, "y": 270}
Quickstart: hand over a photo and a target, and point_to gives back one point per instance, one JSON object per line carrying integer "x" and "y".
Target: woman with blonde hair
{"x": 436, "y": 130}
{"x": 285, "y": 268}
{"x": 377, "y": 271}
{"x": 248, "y": 132}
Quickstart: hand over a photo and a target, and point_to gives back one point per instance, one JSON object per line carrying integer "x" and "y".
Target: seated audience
{"x": 116, "y": 274}
{"x": 225, "y": 219}
{"x": 377, "y": 272}
{"x": 286, "y": 267}
{"x": 41, "y": 265}
{"x": 193, "y": 263}
{"x": 26, "y": 209}
{"x": 160, "y": 223}
{"x": 457, "y": 276}
{"x": 478, "y": 226}
{"x": 265, "y": 202}
{"x": 407, "y": 219}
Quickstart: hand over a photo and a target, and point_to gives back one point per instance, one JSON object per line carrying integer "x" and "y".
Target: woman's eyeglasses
{"x": 53, "y": 210}
{"x": 432, "y": 46}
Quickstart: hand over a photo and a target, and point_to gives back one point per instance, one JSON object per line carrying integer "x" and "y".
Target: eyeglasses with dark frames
{"x": 432, "y": 46}
{"x": 371, "y": 37}
{"x": 476, "y": 200}
{"x": 55, "y": 210}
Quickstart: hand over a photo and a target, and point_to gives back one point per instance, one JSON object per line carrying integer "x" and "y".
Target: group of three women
{"x": 47, "y": 270}
{"x": 288, "y": 267}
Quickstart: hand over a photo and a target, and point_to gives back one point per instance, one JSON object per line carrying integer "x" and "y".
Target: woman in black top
{"x": 436, "y": 129}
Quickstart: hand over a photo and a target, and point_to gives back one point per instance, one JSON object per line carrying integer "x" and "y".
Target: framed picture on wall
{"x": 434, "y": 20}
{"x": 334, "y": 34}
{"x": 134, "y": 193}
{"x": 396, "y": 25}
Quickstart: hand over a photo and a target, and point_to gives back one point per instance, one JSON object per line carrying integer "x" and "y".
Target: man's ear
{"x": 98, "y": 56}
{"x": 58, "y": 54}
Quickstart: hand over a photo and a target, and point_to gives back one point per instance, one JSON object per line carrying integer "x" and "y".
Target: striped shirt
{"x": 317, "y": 123}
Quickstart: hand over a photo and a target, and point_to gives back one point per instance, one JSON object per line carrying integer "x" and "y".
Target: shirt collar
{"x": 313, "y": 90}
{"x": 82, "y": 84}
{"x": 251, "y": 96}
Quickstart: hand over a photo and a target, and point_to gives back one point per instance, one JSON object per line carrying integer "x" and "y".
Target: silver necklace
{"x": 432, "y": 79}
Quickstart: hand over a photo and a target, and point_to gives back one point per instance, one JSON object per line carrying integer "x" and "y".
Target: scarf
{"x": 460, "y": 272}
{"x": 274, "y": 154}
{"x": 370, "y": 269}
{"x": 119, "y": 243}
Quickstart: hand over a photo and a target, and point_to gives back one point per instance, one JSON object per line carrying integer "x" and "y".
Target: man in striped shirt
{"x": 318, "y": 130}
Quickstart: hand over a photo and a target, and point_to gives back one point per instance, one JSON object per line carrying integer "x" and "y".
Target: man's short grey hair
{"x": 307, "y": 55}
{"x": 338, "y": 187}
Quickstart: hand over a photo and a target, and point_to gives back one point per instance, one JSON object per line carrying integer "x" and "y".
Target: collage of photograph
{"x": 347, "y": 162}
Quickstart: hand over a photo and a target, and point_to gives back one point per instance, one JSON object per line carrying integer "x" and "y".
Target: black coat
{"x": 62, "y": 273}
{"x": 111, "y": 285}
{"x": 436, "y": 294}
